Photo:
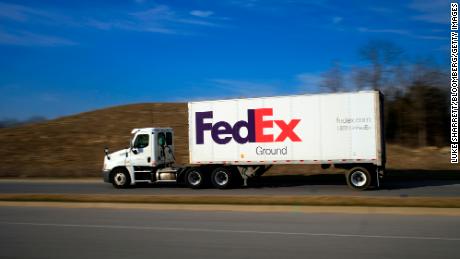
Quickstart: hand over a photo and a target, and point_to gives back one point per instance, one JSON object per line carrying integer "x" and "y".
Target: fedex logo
{"x": 222, "y": 132}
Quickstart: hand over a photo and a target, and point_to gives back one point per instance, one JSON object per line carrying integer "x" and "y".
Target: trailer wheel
{"x": 222, "y": 177}
{"x": 120, "y": 178}
{"x": 359, "y": 178}
{"x": 195, "y": 178}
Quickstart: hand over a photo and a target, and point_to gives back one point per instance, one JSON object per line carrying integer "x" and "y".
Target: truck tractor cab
{"x": 148, "y": 159}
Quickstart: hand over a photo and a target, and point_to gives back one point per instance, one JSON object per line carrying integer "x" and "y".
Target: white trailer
{"x": 233, "y": 140}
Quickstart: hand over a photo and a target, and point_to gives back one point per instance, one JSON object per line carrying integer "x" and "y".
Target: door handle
{"x": 149, "y": 159}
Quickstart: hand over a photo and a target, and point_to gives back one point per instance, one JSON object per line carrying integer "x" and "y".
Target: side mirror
{"x": 106, "y": 151}
{"x": 134, "y": 151}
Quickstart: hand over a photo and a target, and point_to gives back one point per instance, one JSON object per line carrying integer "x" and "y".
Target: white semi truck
{"x": 233, "y": 140}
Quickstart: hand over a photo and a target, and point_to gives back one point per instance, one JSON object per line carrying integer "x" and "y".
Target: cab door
{"x": 160, "y": 148}
{"x": 164, "y": 149}
{"x": 141, "y": 151}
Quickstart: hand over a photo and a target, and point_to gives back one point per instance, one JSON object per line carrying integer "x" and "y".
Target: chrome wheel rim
{"x": 194, "y": 178}
{"x": 221, "y": 178}
{"x": 358, "y": 178}
{"x": 120, "y": 179}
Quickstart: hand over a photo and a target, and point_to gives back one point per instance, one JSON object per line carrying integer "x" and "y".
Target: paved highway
{"x": 45, "y": 232}
{"x": 402, "y": 184}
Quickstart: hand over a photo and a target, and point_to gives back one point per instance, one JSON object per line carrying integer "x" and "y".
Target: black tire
{"x": 195, "y": 178}
{"x": 223, "y": 177}
{"x": 120, "y": 178}
{"x": 359, "y": 178}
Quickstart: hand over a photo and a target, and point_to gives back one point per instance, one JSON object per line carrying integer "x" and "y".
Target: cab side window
{"x": 169, "y": 139}
{"x": 142, "y": 141}
{"x": 161, "y": 139}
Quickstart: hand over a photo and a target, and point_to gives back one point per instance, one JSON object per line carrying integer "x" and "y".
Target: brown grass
{"x": 453, "y": 212}
{"x": 429, "y": 202}
{"x": 73, "y": 146}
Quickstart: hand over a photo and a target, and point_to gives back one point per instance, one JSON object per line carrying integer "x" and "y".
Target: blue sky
{"x": 63, "y": 57}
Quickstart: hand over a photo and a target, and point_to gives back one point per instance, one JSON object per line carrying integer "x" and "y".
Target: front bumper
{"x": 106, "y": 176}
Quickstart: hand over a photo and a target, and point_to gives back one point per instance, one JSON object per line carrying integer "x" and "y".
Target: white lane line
{"x": 228, "y": 231}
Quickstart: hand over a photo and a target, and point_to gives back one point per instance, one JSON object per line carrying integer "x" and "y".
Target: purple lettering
{"x": 201, "y": 126}
{"x": 222, "y": 132}
{"x": 219, "y": 128}
{"x": 249, "y": 125}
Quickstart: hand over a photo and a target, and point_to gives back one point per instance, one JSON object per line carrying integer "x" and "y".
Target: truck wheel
{"x": 222, "y": 177}
{"x": 195, "y": 178}
{"x": 120, "y": 178}
{"x": 359, "y": 178}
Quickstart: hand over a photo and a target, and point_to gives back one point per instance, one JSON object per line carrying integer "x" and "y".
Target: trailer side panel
{"x": 322, "y": 128}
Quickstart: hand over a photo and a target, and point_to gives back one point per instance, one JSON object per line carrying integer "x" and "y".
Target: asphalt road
{"x": 42, "y": 232}
{"x": 406, "y": 184}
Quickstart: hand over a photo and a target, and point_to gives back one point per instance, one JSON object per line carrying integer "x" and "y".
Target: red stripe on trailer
{"x": 288, "y": 161}
{"x": 344, "y": 159}
{"x": 301, "y": 161}
{"x": 261, "y": 161}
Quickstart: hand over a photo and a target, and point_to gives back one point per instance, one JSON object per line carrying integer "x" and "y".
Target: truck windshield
{"x": 142, "y": 141}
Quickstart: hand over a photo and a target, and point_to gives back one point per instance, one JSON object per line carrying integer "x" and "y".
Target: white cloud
{"x": 25, "y": 38}
{"x": 430, "y": 37}
{"x": 13, "y": 12}
{"x": 401, "y": 32}
{"x": 156, "y": 13}
{"x": 22, "y": 14}
{"x": 165, "y": 14}
{"x": 49, "y": 97}
{"x": 381, "y": 10}
{"x": 202, "y": 14}
{"x": 244, "y": 88}
{"x": 337, "y": 19}
{"x": 395, "y": 31}
{"x": 159, "y": 19}
{"x": 309, "y": 81}
{"x": 244, "y": 3}
{"x": 434, "y": 11}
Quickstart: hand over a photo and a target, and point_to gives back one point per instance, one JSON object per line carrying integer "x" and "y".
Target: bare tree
{"x": 333, "y": 80}
{"x": 360, "y": 77}
{"x": 384, "y": 58}
{"x": 416, "y": 96}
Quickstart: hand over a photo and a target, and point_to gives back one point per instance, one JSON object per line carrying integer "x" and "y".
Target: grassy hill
{"x": 73, "y": 145}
